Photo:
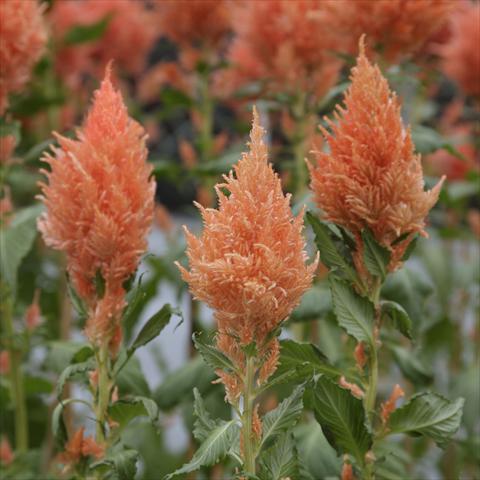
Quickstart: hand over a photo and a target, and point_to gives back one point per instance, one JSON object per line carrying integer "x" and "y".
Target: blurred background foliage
{"x": 177, "y": 63}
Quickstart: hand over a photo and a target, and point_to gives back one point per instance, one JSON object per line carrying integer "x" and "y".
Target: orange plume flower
{"x": 23, "y": 35}
{"x": 292, "y": 51}
{"x": 371, "y": 177}
{"x": 79, "y": 447}
{"x": 99, "y": 206}
{"x": 4, "y": 362}
{"x": 6, "y": 453}
{"x": 461, "y": 55}
{"x": 127, "y": 39}
{"x": 389, "y": 406}
{"x": 249, "y": 263}
{"x": 396, "y": 28}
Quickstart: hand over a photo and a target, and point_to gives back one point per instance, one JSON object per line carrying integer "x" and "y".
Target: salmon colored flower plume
{"x": 33, "y": 314}
{"x": 79, "y": 447}
{"x": 395, "y": 28}
{"x": 23, "y": 35}
{"x": 249, "y": 263}
{"x": 389, "y": 406}
{"x": 127, "y": 39}
{"x": 371, "y": 177}
{"x": 194, "y": 23}
{"x": 6, "y": 452}
{"x": 4, "y": 362}
{"x": 99, "y": 206}
{"x": 461, "y": 55}
{"x": 289, "y": 45}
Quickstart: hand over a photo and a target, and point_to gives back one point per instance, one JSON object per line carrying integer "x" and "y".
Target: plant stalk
{"x": 16, "y": 378}
{"x": 103, "y": 392}
{"x": 247, "y": 417}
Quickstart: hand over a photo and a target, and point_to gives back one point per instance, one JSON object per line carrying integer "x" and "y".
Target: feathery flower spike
{"x": 249, "y": 262}
{"x": 99, "y": 207}
{"x": 24, "y": 36}
{"x": 371, "y": 177}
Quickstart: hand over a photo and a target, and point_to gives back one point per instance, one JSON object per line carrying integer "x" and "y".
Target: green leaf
{"x": 428, "y": 140}
{"x": 131, "y": 380}
{"x": 354, "y": 313}
{"x": 87, "y": 33}
{"x": 315, "y": 304}
{"x": 71, "y": 371}
{"x": 123, "y": 462}
{"x": 16, "y": 241}
{"x": 375, "y": 256}
{"x": 280, "y": 461}
{"x": 10, "y": 128}
{"x": 409, "y": 250}
{"x": 211, "y": 355}
{"x": 411, "y": 366}
{"x": 58, "y": 426}
{"x": 342, "y": 418}
{"x": 395, "y": 313}
{"x": 204, "y": 424}
{"x": 78, "y": 304}
{"x": 213, "y": 449}
{"x": 302, "y": 361}
{"x": 154, "y": 326}
{"x": 428, "y": 414}
{"x": 82, "y": 354}
{"x": 329, "y": 254}
{"x": 282, "y": 418}
{"x": 177, "y": 385}
{"x": 125, "y": 410}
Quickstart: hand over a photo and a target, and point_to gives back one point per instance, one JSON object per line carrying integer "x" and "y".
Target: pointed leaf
{"x": 123, "y": 462}
{"x": 213, "y": 449}
{"x": 398, "y": 316}
{"x": 329, "y": 253}
{"x": 72, "y": 370}
{"x": 430, "y": 415}
{"x": 342, "y": 418}
{"x": 204, "y": 424}
{"x": 354, "y": 313}
{"x": 375, "y": 256}
{"x": 211, "y": 355}
{"x": 281, "y": 460}
{"x": 282, "y": 418}
{"x": 125, "y": 410}
{"x": 87, "y": 33}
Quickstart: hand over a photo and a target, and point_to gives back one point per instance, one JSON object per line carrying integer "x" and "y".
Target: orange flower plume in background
{"x": 23, "y": 37}
{"x": 397, "y": 28}
{"x": 249, "y": 262}
{"x": 99, "y": 206}
{"x": 461, "y": 54}
{"x": 79, "y": 447}
{"x": 289, "y": 45}
{"x": 127, "y": 39}
{"x": 371, "y": 177}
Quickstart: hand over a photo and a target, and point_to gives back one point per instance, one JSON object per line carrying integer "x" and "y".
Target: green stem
{"x": 247, "y": 417}
{"x": 16, "y": 379}
{"x": 371, "y": 395}
{"x": 103, "y": 392}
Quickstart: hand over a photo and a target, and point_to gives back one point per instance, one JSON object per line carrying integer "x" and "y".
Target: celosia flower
{"x": 99, "y": 206}
{"x": 23, "y": 35}
{"x": 347, "y": 471}
{"x": 202, "y": 24}
{"x": 288, "y": 45}
{"x": 389, "y": 406}
{"x": 80, "y": 447}
{"x": 4, "y": 362}
{"x": 371, "y": 177}
{"x": 6, "y": 453}
{"x": 7, "y": 147}
{"x": 249, "y": 263}
{"x": 461, "y": 55}
{"x": 33, "y": 315}
{"x": 127, "y": 39}
{"x": 396, "y": 28}
{"x": 355, "y": 390}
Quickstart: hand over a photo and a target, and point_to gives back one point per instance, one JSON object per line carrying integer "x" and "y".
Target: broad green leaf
{"x": 204, "y": 424}
{"x": 71, "y": 371}
{"x": 37, "y": 385}
{"x": 58, "y": 426}
{"x": 125, "y": 410}
{"x": 329, "y": 253}
{"x": 354, "y": 313}
{"x": 315, "y": 453}
{"x": 281, "y": 460}
{"x": 315, "y": 304}
{"x": 131, "y": 380}
{"x": 342, "y": 418}
{"x": 87, "y": 33}
{"x": 410, "y": 365}
{"x": 82, "y": 354}
{"x": 123, "y": 463}
{"x": 428, "y": 140}
{"x": 428, "y": 414}
{"x": 154, "y": 326}
{"x": 303, "y": 361}
{"x": 283, "y": 417}
{"x": 78, "y": 304}
{"x": 375, "y": 256}
{"x": 212, "y": 356}
{"x": 398, "y": 316}
{"x": 177, "y": 385}
{"x": 213, "y": 449}
{"x": 16, "y": 240}
{"x": 10, "y": 128}
{"x": 392, "y": 461}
